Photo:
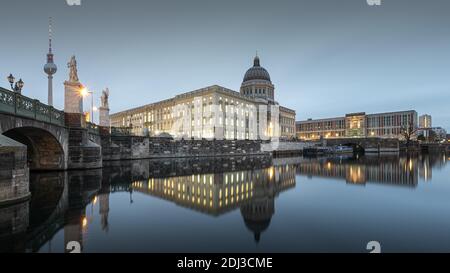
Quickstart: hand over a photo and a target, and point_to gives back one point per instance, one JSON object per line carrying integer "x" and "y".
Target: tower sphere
{"x": 50, "y": 68}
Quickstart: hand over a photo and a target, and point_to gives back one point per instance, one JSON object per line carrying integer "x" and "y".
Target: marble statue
{"x": 73, "y": 74}
{"x": 104, "y": 118}
{"x": 104, "y": 98}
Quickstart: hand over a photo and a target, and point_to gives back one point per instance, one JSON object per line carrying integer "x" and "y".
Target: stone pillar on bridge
{"x": 72, "y": 97}
{"x": 73, "y": 100}
{"x": 83, "y": 152}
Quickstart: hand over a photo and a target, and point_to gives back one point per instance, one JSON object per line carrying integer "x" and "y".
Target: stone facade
{"x": 14, "y": 176}
{"x": 73, "y": 101}
{"x": 210, "y": 112}
{"x": 47, "y": 143}
{"x": 118, "y": 147}
{"x": 216, "y": 112}
{"x": 83, "y": 153}
{"x": 104, "y": 117}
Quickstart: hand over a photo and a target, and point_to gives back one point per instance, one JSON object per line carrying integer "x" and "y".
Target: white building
{"x": 425, "y": 121}
{"x": 216, "y": 112}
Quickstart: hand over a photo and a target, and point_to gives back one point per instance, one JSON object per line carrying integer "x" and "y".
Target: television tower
{"x": 50, "y": 68}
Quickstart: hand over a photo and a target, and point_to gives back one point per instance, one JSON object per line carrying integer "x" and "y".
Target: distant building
{"x": 425, "y": 121}
{"x": 385, "y": 125}
{"x": 436, "y": 133}
{"x": 441, "y": 133}
{"x": 216, "y": 112}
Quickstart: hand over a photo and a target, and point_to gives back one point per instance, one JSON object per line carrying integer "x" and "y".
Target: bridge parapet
{"x": 121, "y": 131}
{"x": 19, "y": 105}
{"x": 92, "y": 128}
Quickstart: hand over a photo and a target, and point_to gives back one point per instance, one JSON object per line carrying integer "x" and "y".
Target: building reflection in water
{"x": 253, "y": 191}
{"x": 66, "y": 202}
{"x": 385, "y": 169}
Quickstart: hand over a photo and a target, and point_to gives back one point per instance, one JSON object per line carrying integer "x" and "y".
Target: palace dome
{"x": 257, "y": 72}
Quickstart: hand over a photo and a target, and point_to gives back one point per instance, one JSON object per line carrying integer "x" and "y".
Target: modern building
{"x": 216, "y": 112}
{"x": 425, "y": 121}
{"x": 385, "y": 125}
{"x": 383, "y": 170}
{"x": 433, "y": 133}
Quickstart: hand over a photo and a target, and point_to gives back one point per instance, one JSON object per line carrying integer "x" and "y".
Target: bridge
{"x": 36, "y": 136}
{"x": 54, "y": 139}
{"x": 62, "y": 210}
{"x": 38, "y": 126}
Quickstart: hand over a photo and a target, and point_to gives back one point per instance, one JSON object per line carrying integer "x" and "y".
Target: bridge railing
{"x": 121, "y": 131}
{"x": 17, "y": 104}
{"x": 92, "y": 128}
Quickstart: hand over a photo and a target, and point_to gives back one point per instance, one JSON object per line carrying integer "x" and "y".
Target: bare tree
{"x": 432, "y": 136}
{"x": 408, "y": 131}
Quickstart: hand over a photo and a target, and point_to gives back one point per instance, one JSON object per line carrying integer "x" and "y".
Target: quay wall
{"x": 14, "y": 174}
{"x": 122, "y": 147}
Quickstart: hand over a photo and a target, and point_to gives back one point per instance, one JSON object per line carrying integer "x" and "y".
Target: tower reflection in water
{"x": 66, "y": 203}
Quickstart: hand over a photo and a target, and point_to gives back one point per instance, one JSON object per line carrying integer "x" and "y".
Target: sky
{"x": 326, "y": 58}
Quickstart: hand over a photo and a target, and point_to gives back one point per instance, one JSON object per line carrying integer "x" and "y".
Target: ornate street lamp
{"x": 11, "y": 79}
{"x": 16, "y": 87}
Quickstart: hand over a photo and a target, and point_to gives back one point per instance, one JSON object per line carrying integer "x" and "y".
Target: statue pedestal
{"x": 104, "y": 117}
{"x": 73, "y": 101}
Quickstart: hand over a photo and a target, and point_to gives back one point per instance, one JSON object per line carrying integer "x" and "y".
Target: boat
{"x": 314, "y": 151}
{"x": 341, "y": 149}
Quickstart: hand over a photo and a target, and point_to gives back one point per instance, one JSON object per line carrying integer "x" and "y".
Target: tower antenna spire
{"x": 50, "y": 34}
{"x": 50, "y": 67}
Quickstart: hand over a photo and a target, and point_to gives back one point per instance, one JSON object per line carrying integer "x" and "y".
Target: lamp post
{"x": 94, "y": 109}
{"x": 85, "y": 92}
{"x": 92, "y": 105}
{"x": 17, "y": 86}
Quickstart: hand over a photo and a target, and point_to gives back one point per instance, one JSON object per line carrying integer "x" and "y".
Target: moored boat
{"x": 341, "y": 149}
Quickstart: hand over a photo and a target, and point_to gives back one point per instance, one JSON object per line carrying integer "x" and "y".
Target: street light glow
{"x": 84, "y": 92}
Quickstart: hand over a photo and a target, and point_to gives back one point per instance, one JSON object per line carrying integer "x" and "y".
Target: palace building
{"x": 216, "y": 112}
{"x": 384, "y": 125}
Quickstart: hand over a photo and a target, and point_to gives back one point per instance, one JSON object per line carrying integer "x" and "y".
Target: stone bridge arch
{"x": 47, "y": 144}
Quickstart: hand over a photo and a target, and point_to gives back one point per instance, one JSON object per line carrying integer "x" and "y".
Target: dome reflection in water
{"x": 236, "y": 204}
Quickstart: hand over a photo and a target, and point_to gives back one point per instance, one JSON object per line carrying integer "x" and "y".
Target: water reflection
{"x": 214, "y": 186}
{"x": 67, "y": 203}
{"x": 383, "y": 169}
